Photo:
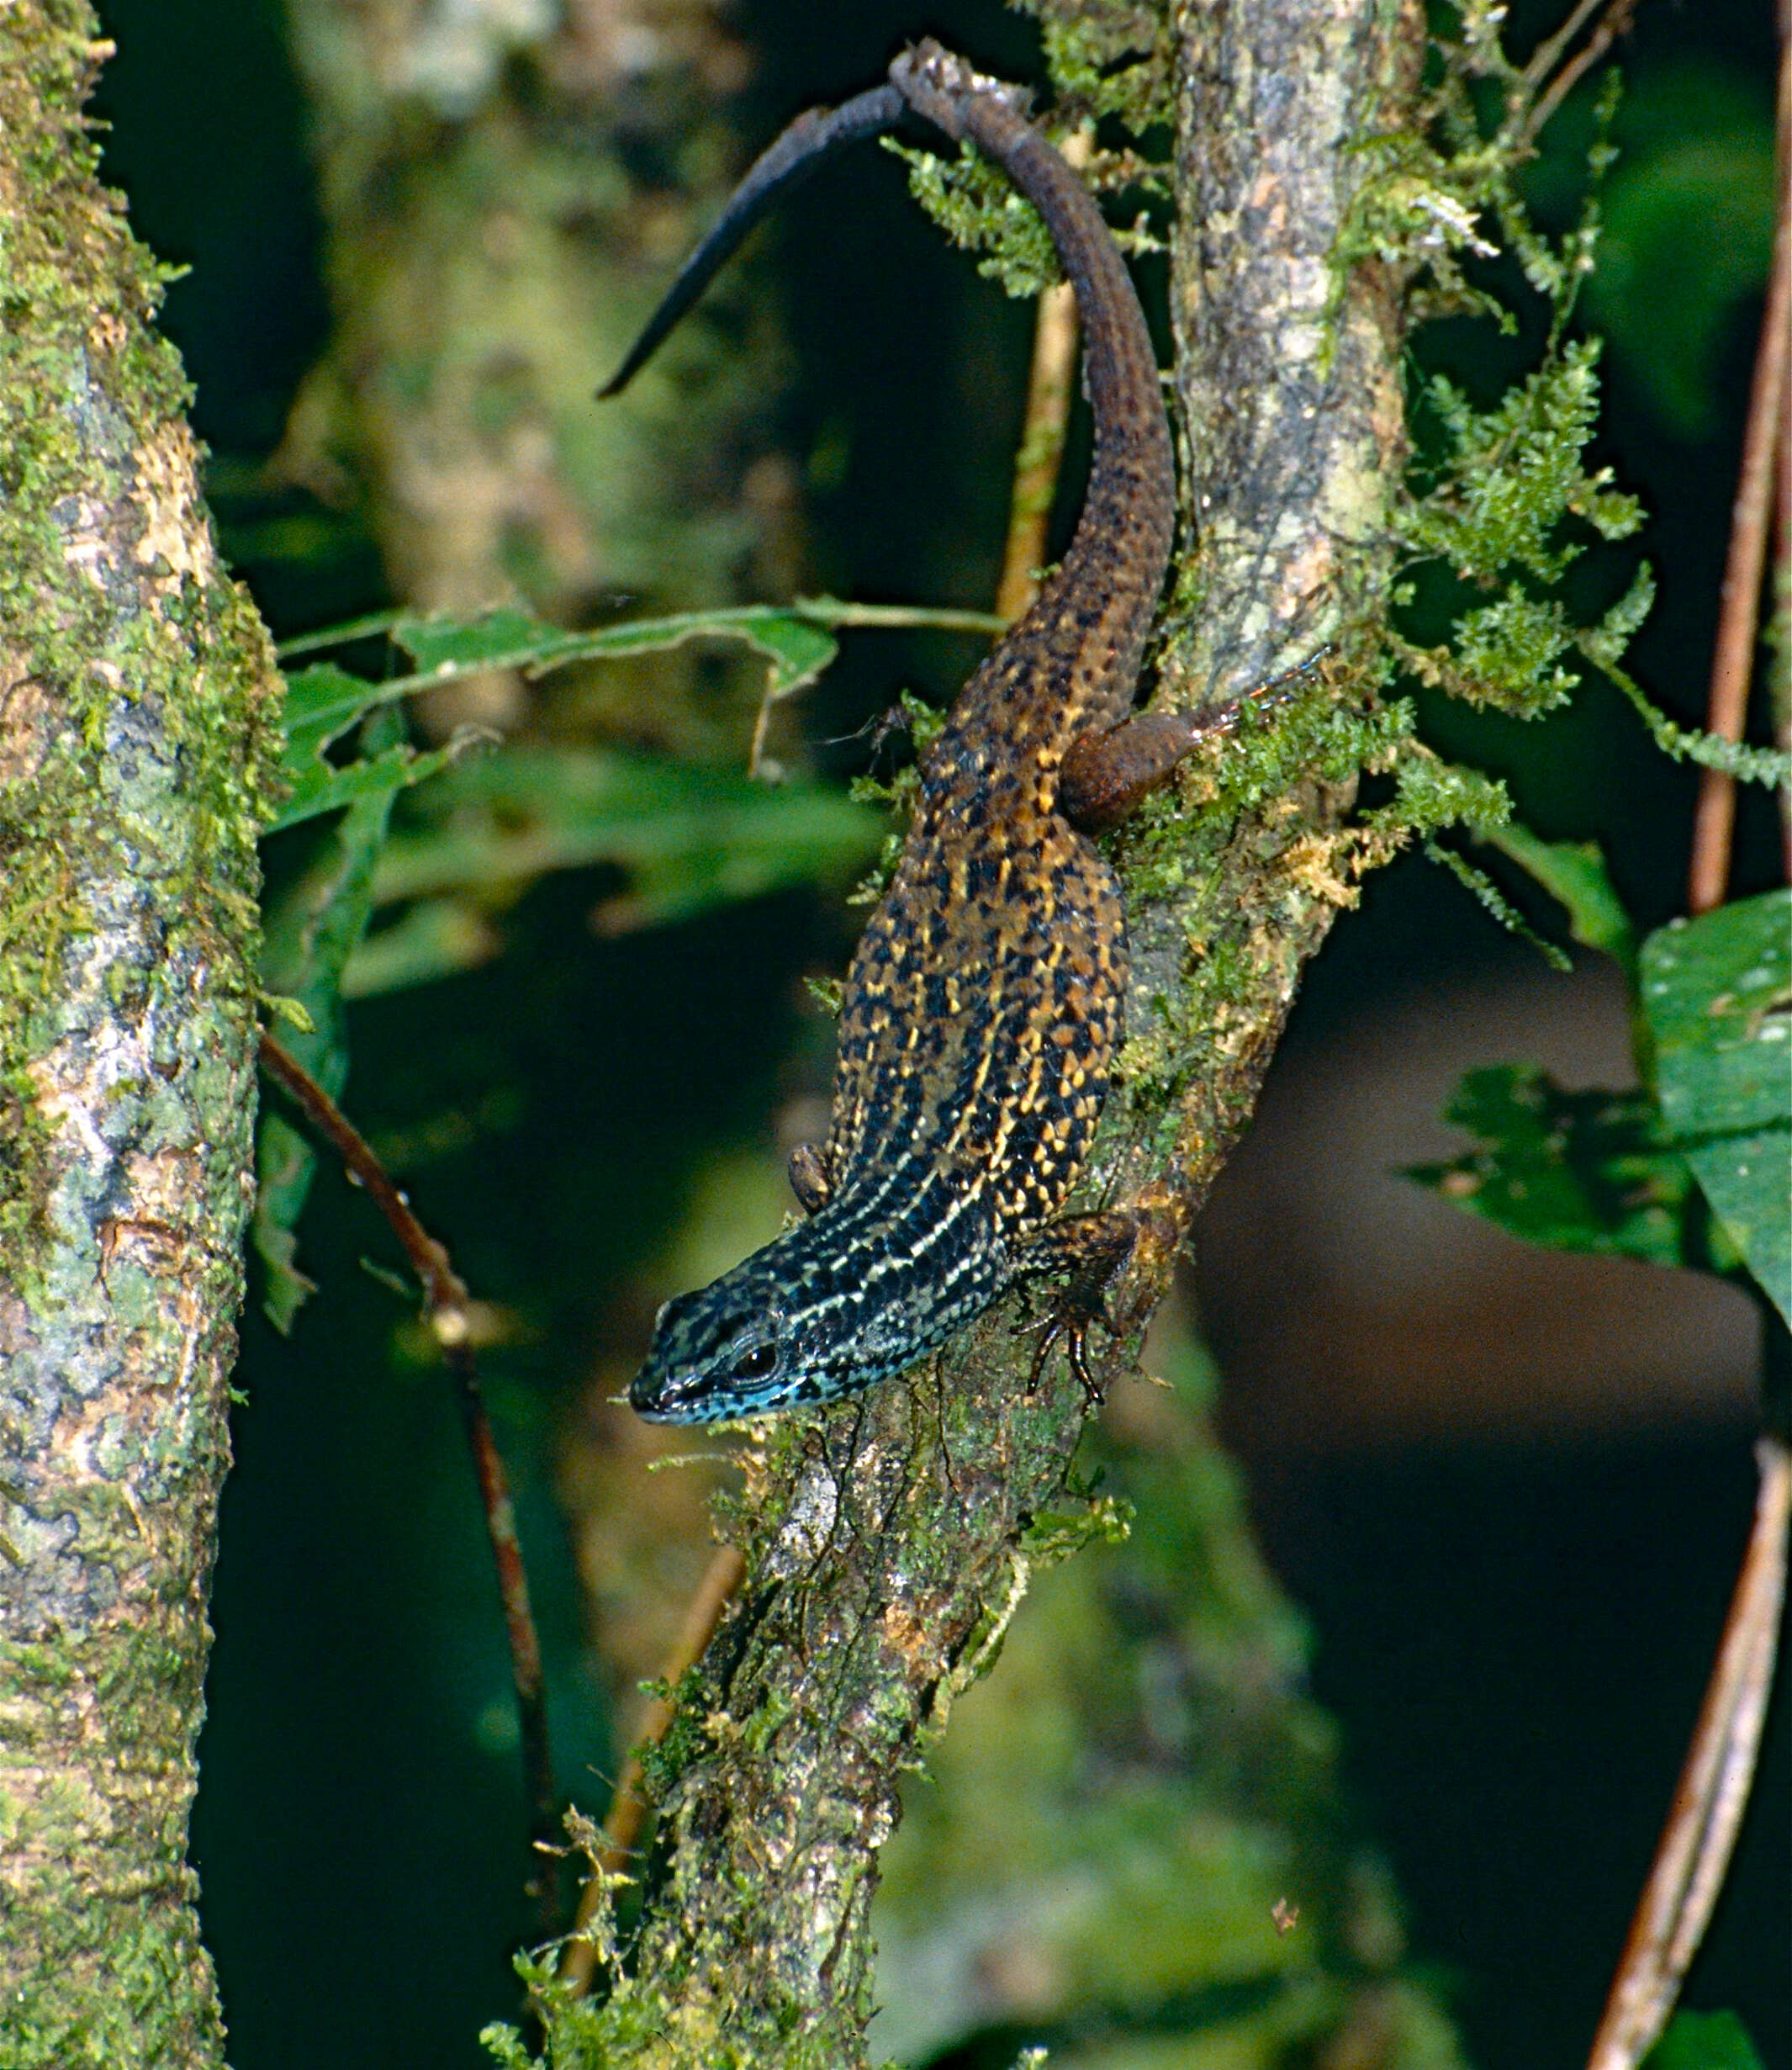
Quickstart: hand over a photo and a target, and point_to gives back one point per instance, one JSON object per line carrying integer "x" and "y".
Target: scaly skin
{"x": 983, "y": 1008}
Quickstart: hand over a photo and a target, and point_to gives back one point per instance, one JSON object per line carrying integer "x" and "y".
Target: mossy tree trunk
{"x": 136, "y": 693}
{"x": 888, "y": 1542}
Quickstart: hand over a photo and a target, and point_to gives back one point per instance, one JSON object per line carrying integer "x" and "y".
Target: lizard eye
{"x": 756, "y": 1364}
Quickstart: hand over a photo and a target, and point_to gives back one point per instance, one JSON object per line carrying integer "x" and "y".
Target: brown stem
{"x": 1040, "y": 454}
{"x": 1714, "y": 823}
{"x": 628, "y": 1807}
{"x": 1616, "y": 20}
{"x": 1696, "y": 1844}
{"x": 1782, "y": 608}
{"x": 1780, "y": 597}
{"x": 446, "y": 1304}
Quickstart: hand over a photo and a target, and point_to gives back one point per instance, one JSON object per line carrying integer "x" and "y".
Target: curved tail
{"x": 1110, "y": 578}
{"x": 813, "y": 136}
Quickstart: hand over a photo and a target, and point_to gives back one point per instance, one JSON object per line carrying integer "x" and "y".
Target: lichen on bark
{"x": 137, "y": 702}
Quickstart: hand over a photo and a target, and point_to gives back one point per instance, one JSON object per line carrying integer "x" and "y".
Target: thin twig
{"x": 1696, "y": 1843}
{"x": 1543, "y": 60}
{"x": 1714, "y": 823}
{"x": 1779, "y": 600}
{"x": 1780, "y": 603}
{"x": 1041, "y": 451}
{"x": 445, "y": 1304}
{"x": 628, "y": 1805}
{"x": 1616, "y": 20}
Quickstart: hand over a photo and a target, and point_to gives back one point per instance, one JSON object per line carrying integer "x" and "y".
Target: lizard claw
{"x": 1074, "y": 1329}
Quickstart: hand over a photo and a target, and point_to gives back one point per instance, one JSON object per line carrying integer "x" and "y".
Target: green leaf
{"x": 1574, "y": 874}
{"x": 1571, "y": 1171}
{"x": 322, "y": 703}
{"x": 307, "y": 941}
{"x": 1717, "y": 996}
{"x": 326, "y": 788}
{"x": 1688, "y": 232}
{"x": 436, "y": 938}
{"x": 1704, "y": 2041}
{"x": 794, "y": 638}
{"x": 444, "y": 647}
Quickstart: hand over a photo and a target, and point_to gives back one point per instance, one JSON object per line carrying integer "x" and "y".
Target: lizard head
{"x": 752, "y": 1342}
{"x": 824, "y": 1309}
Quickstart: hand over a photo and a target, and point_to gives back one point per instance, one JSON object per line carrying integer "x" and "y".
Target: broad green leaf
{"x": 1572, "y": 1170}
{"x": 1717, "y": 996}
{"x": 1704, "y": 2041}
{"x": 435, "y": 937}
{"x": 327, "y": 788}
{"x": 443, "y": 647}
{"x": 307, "y": 941}
{"x": 1574, "y": 874}
{"x": 445, "y": 650}
{"x": 323, "y": 699}
{"x": 1688, "y": 229}
{"x": 796, "y": 639}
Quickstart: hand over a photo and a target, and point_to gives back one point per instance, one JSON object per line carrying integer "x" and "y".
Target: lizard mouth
{"x": 670, "y": 1397}
{"x": 695, "y": 1395}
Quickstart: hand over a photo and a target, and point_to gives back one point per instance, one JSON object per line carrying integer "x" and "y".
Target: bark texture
{"x": 1288, "y": 377}
{"x": 137, "y": 693}
{"x": 888, "y": 1542}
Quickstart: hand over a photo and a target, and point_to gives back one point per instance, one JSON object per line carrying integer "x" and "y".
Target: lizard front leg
{"x": 1097, "y": 1253}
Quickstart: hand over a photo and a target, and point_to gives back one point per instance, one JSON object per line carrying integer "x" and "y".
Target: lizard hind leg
{"x": 1106, "y": 775}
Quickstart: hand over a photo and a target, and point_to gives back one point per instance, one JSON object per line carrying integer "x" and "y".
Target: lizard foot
{"x": 1094, "y": 1250}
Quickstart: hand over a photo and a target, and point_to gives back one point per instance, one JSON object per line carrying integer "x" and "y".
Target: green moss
{"x": 1106, "y": 60}
{"x": 1111, "y": 58}
{"x": 1502, "y": 498}
{"x": 683, "y": 1741}
{"x": 141, "y": 715}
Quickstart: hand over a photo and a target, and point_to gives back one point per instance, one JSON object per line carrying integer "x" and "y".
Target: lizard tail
{"x": 813, "y": 136}
{"x": 1109, "y": 579}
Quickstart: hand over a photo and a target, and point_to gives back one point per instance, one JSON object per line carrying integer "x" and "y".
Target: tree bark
{"x": 888, "y": 1542}
{"x": 137, "y": 702}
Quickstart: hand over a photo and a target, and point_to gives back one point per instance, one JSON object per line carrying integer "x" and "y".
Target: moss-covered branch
{"x": 888, "y": 1542}
{"x": 136, "y": 688}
